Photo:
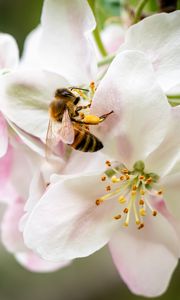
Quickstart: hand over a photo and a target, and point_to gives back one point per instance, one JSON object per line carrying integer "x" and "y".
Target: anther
{"x": 127, "y": 177}
{"x": 133, "y": 193}
{"x": 126, "y": 210}
{"x": 117, "y": 217}
{"x": 103, "y": 178}
{"x": 108, "y": 188}
{"x": 134, "y": 187}
{"x": 125, "y": 171}
{"x": 98, "y": 201}
{"x": 142, "y": 192}
{"x": 141, "y": 177}
{"x": 47, "y": 184}
{"x": 148, "y": 180}
{"x": 141, "y": 226}
{"x": 114, "y": 179}
{"x": 126, "y": 224}
{"x": 121, "y": 177}
{"x": 108, "y": 163}
{"x": 160, "y": 192}
{"x": 141, "y": 202}
{"x": 142, "y": 212}
{"x": 154, "y": 213}
{"x": 122, "y": 199}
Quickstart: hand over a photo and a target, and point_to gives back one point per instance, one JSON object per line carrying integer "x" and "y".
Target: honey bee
{"x": 65, "y": 124}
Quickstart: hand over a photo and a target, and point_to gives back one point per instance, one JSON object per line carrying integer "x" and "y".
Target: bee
{"x": 65, "y": 124}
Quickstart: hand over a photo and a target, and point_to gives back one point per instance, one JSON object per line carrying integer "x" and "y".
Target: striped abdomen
{"x": 85, "y": 141}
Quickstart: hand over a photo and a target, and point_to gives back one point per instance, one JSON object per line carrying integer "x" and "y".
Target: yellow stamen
{"x": 142, "y": 212}
{"x": 114, "y": 179}
{"x": 122, "y": 199}
{"x": 142, "y": 192}
{"x": 127, "y": 177}
{"x": 141, "y": 202}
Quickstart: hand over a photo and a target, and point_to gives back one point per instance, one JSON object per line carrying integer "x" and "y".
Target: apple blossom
{"x": 132, "y": 191}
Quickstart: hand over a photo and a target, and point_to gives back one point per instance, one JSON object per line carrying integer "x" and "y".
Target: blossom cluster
{"x": 126, "y": 195}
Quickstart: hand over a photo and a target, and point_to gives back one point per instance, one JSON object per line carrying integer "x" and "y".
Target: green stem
{"x": 139, "y": 10}
{"x": 107, "y": 60}
{"x": 174, "y": 100}
{"x": 96, "y": 32}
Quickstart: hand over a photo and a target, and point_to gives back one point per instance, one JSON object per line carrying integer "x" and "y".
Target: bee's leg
{"x": 78, "y": 108}
{"x": 103, "y": 117}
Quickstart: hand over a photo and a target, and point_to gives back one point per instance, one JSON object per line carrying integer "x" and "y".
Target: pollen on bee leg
{"x": 92, "y": 119}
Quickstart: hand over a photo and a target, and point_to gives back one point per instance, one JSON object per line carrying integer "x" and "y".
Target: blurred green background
{"x": 93, "y": 278}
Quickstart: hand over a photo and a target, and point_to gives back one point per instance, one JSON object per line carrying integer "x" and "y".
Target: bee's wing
{"x": 52, "y": 137}
{"x": 66, "y": 132}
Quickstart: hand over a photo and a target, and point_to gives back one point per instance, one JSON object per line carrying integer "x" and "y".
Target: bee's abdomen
{"x": 86, "y": 141}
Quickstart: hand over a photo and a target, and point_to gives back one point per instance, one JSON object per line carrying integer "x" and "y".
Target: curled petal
{"x": 65, "y": 46}
{"x": 25, "y": 97}
{"x": 9, "y": 53}
{"x": 141, "y": 111}
{"x": 66, "y": 223}
{"x": 146, "y": 259}
{"x": 158, "y": 37}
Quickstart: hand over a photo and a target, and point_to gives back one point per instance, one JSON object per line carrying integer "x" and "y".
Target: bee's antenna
{"x": 77, "y": 88}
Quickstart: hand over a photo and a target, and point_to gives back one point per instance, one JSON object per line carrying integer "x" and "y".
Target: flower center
{"x": 133, "y": 189}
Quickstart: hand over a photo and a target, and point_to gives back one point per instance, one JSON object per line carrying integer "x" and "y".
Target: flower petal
{"x": 3, "y": 136}
{"x": 140, "y": 108}
{"x": 25, "y": 97}
{"x": 34, "y": 263}
{"x": 65, "y": 46}
{"x": 163, "y": 159}
{"x": 9, "y": 53}
{"x": 146, "y": 259}
{"x": 158, "y": 37}
{"x": 66, "y": 223}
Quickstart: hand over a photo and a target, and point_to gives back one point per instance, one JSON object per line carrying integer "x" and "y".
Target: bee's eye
{"x": 77, "y": 100}
{"x": 64, "y": 93}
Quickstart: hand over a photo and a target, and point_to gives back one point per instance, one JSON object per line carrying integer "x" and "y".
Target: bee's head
{"x": 65, "y": 93}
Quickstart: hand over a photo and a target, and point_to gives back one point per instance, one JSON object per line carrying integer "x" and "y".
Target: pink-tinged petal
{"x": 141, "y": 111}
{"x": 113, "y": 36}
{"x": 6, "y": 163}
{"x": 66, "y": 223}
{"x": 67, "y": 26}
{"x": 3, "y": 136}
{"x": 163, "y": 159}
{"x": 147, "y": 258}
{"x": 25, "y": 97}
{"x": 158, "y": 37}
{"x": 9, "y": 53}
{"x": 171, "y": 193}
{"x": 34, "y": 263}
{"x": 11, "y": 236}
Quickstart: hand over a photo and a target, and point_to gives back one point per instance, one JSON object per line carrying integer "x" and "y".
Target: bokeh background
{"x": 92, "y": 278}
